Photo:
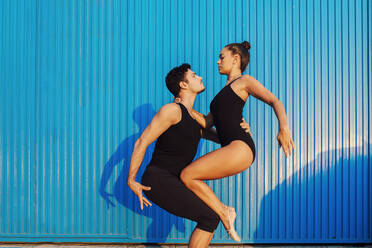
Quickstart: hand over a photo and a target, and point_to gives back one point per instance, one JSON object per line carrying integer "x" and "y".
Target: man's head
{"x": 182, "y": 78}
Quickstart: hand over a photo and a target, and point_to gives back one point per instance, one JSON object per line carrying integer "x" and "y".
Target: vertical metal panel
{"x": 80, "y": 80}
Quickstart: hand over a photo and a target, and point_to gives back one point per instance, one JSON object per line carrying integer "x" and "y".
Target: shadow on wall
{"x": 325, "y": 201}
{"x": 161, "y": 221}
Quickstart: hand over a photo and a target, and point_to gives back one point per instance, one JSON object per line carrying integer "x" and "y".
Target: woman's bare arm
{"x": 257, "y": 90}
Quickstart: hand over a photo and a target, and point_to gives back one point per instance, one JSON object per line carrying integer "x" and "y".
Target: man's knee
{"x": 209, "y": 221}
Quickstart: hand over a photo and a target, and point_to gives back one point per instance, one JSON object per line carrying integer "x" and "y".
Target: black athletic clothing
{"x": 227, "y": 108}
{"x": 177, "y": 146}
{"x": 174, "y": 150}
{"x": 170, "y": 193}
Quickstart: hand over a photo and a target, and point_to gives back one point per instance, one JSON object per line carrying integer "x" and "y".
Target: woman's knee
{"x": 186, "y": 177}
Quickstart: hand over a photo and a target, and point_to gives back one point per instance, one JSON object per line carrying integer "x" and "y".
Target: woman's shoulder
{"x": 244, "y": 81}
{"x": 247, "y": 77}
{"x": 248, "y": 80}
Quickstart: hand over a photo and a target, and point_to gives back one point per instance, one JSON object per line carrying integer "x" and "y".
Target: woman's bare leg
{"x": 200, "y": 238}
{"x": 226, "y": 161}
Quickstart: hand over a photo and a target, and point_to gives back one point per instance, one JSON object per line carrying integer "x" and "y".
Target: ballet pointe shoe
{"x": 231, "y": 215}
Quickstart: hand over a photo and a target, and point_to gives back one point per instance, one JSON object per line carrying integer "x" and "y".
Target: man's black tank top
{"x": 227, "y": 108}
{"x": 177, "y": 146}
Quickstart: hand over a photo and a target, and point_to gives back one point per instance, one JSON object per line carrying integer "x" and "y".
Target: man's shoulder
{"x": 170, "y": 108}
{"x": 170, "y": 111}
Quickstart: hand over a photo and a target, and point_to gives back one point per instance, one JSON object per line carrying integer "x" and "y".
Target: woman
{"x": 178, "y": 135}
{"x": 238, "y": 150}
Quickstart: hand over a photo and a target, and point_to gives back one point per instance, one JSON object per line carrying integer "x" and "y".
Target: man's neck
{"x": 188, "y": 99}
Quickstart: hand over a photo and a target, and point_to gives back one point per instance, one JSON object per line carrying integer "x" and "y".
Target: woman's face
{"x": 226, "y": 61}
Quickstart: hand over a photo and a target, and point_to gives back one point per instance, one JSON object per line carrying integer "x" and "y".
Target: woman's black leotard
{"x": 174, "y": 150}
{"x": 227, "y": 108}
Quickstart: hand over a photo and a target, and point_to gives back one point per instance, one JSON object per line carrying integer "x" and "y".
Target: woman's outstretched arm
{"x": 257, "y": 90}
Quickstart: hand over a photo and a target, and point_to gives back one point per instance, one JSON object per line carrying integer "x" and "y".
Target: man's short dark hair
{"x": 175, "y": 76}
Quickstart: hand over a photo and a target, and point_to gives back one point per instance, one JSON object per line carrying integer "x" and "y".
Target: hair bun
{"x": 246, "y": 45}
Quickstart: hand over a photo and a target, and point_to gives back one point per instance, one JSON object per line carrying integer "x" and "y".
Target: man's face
{"x": 195, "y": 83}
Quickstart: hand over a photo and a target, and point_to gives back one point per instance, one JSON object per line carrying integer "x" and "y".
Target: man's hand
{"x": 137, "y": 189}
{"x": 245, "y": 126}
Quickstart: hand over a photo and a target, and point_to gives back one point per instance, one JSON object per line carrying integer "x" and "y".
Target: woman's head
{"x": 234, "y": 55}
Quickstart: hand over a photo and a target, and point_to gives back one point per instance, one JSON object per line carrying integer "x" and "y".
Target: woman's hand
{"x": 137, "y": 189}
{"x": 245, "y": 126}
{"x": 285, "y": 140}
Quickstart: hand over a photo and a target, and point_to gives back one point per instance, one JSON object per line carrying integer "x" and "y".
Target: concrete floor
{"x": 85, "y": 245}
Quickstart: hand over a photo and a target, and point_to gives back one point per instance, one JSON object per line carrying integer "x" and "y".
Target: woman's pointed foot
{"x": 231, "y": 216}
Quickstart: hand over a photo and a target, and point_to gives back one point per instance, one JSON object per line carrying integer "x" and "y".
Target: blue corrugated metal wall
{"x": 80, "y": 80}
